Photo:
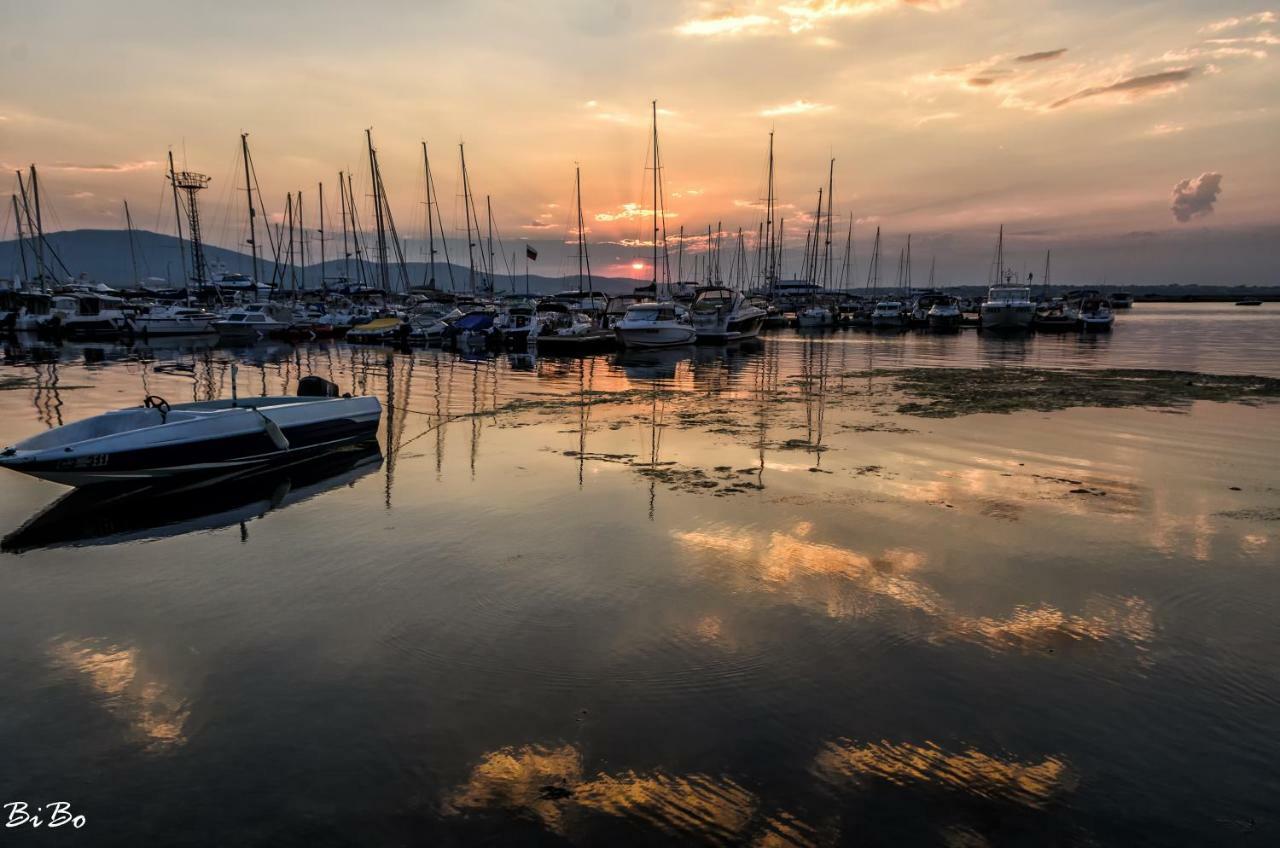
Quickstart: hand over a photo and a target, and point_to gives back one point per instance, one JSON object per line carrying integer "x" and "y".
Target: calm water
{"x": 726, "y": 597}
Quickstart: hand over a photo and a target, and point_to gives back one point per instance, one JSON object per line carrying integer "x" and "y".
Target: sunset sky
{"x": 1138, "y": 140}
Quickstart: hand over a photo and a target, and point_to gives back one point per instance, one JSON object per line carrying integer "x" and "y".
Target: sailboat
{"x": 570, "y": 321}
{"x": 1008, "y": 305}
{"x": 660, "y": 322}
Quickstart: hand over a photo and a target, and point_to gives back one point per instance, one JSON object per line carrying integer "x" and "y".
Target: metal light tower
{"x": 191, "y": 183}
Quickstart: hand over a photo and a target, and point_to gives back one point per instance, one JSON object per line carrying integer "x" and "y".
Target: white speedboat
{"x": 724, "y": 315}
{"x": 815, "y": 317}
{"x": 944, "y": 314}
{"x": 889, "y": 314}
{"x": 1095, "y": 314}
{"x": 1007, "y": 308}
{"x": 160, "y": 441}
{"x": 655, "y": 325}
{"x": 516, "y": 320}
{"x": 174, "y": 320}
{"x": 255, "y": 321}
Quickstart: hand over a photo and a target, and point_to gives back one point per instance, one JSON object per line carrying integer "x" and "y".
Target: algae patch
{"x": 952, "y": 392}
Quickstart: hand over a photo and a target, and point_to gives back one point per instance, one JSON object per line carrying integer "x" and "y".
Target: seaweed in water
{"x": 952, "y": 392}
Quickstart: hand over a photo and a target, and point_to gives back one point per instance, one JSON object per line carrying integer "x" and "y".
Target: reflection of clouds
{"x": 847, "y": 584}
{"x": 548, "y": 785}
{"x": 1030, "y": 784}
{"x": 124, "y": 685}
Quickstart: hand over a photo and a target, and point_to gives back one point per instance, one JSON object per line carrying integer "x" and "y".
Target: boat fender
{"x": 272, "y": 429}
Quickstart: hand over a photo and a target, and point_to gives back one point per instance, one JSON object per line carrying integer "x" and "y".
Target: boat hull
{"x": 1006, "y": 316}
{"x": 215, "y": 446}
{"x": 733, "y": 331}
{"x": 672, "y": 335}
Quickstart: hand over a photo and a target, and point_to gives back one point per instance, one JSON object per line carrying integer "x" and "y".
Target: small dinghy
{"x": 158, "y": 440}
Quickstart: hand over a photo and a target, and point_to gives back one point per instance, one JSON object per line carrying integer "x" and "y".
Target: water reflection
{"x": 126, "y": 688}
{"x": 842, "y": 583}
{"x": 549, "y": 785}
{"x": 843, "y": 763}
{"x": 126, "y": 513}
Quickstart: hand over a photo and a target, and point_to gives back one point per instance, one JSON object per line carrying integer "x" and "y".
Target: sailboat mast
{"x": 679, "y": 261}
{"x": 133, "y": 252}
{"x": 320, "y": 186}
{"x": 466, "y": 208}
{"x": 431, "y": 230}
{"x": 907, "y": 266}
{"x": 488, "y": 206}
{"x": 342, "y": 210}
{"x": 771, "y": 274}
{"x": 583, "y": 258}
{"x": 655, "y": 198}
{"x": 22, "y": 253}
{"x": 302, "y": 246}
{"x": 177, "y": 212}
{"x": 248, "y": 193}
{"x": 826, "y": 270}
{"x": 379, "y": 220}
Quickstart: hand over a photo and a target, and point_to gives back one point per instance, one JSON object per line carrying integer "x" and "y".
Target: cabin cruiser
{"x": 516, "y": 321}
{"x": 924, "y": 302}
{"x": 792, "y": 295}
{"x": 1121, "y": 300}
{"x": 655, "y": 325}
{"x": 562, "y": 328}
{"x": 1007, "y": 308}
{"x": 1056, "y": 316}
{"x": 724, "y": 315}
{"x": 592, "y": 302}
{"x": 890, "y": 315}
{"x": 379, "y": 331}
{"x": 255, "y": 321}
{"x": 84, "y": 314}
{"x": 24, "y": 311}
{"x": 174, "y": 320}
{"x": 160, "y": 441}
{"x": 1095, "y": 314}
{"x": 816, "y": 316}
{"x": 428, "y": 325}
{"x": 944, "y": 314}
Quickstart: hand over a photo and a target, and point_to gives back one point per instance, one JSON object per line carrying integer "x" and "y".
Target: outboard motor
{"x": 317, "y": 387}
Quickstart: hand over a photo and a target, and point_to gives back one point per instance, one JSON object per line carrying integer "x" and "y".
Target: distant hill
{"x": 104, "y": 256}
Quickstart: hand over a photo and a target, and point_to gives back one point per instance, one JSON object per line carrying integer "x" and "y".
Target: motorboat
{"x": 255, "y": 321}
{"x": 81, "y": 315}
{"x": 925, "y": 301}
{"x": 889, "y": 315}
{"x": 562, "y": 329}
{"x": 384, "y": 330}
{"x": 475, "y": 329}
{"x": 24, "y": 311}
{"x": 1095, "y": 314}
{"x": 1007, "y": 308}
{"x": 158, "y": 441}
{"x": 1249, "y": 302}
{"x": 516, "y": 321}
{"x": 1056, "y": 316}
{"x": 1121, "y": 300}
{"x": 429, "y": 325}
{"x": 944, "y": 314}
{"x": 655, "y": 325}
{"x": 174, "y": 320}
{"x": 815, "y": 316}
{"x": 723, "y": 315}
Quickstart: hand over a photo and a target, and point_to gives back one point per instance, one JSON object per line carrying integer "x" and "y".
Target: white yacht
{"x": 724, "y": 315}
{"x": 173, "y": 320}
{"x": 815, "y": 317}
{"x": 255, "y": 321}
{"x": 890, "y": 314}
{"x": 655, "y": 325}
{"x": 1007, "y": 308}
{"x": 944, "y": 314}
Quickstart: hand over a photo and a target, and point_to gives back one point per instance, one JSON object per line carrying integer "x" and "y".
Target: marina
{"x": 787, "y": 588}
{"x": 727, "y": 423}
